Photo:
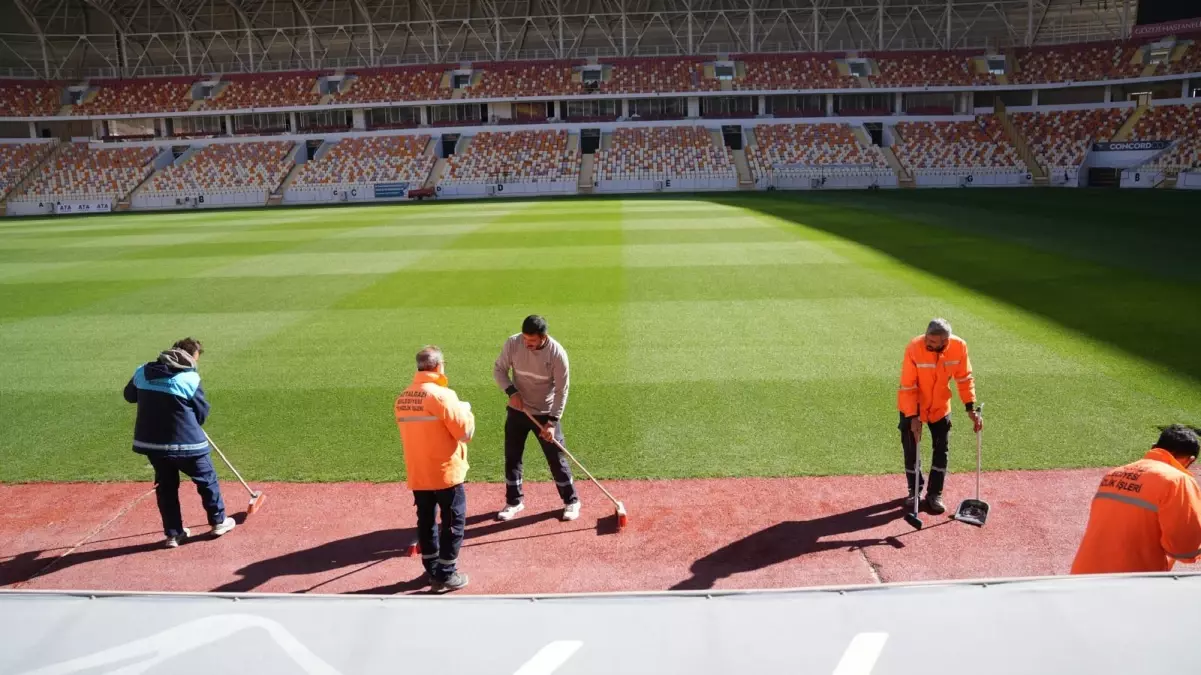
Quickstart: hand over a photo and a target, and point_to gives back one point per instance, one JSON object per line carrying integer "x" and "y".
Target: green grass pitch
{"x": 731, "y": 335}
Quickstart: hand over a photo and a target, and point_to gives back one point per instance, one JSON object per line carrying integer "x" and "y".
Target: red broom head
{"x": 256, "y": 503}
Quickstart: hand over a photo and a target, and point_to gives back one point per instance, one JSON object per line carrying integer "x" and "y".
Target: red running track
{"x": 682, "y": 534}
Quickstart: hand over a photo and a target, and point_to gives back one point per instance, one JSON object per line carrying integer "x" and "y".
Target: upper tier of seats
{"x": 79, "y": 171}
{"x": 369, "y": 160}
{"x": 1075, "y": 63}
{"x": 1190, "y": 62}
{"x": 1062, "y": 138}
{"x": 515, "y": 156}
{"x": 927, "y": 69}
{"x": 1180, "y": 123}
{"x": 641, "y": 153}
{"x": 29, "y": 98}
{"x": 799, "y": 148}
{"x": 955, "y": 145}
{"x": 125, "y": 97}
{"x": 790, "y": 71}
{"x": 525, "y": 79}
{"x": 405, "y": 84}
{"x": 226, "y": 166}
{"x": 645, "y": 76}
{"x": 18, "y": 159}
{"x": 265, "y": 91}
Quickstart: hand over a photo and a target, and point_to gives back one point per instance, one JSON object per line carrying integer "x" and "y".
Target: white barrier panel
{"x": 1063, "y": 176}
{"x": 667, "y": 185}
{"x": 972, "y": 178}
{"x": 29, "y": 208}
{"x": 459, "y": 190}
{"x": 331, "y": 194}
{"x": 829, "y": 182}
{"x": 1189, "y": 181}
{"x": 68, "y": 207}
{"x": 1140, "y": 178}
{"x": 223, "y": 199}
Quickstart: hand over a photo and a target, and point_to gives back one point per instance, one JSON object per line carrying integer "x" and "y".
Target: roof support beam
{"x": 184, "y": 25}
{"x": 37, "y": 30}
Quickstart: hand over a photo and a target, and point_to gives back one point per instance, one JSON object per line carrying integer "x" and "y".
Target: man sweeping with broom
{"x": 171, "y": 411}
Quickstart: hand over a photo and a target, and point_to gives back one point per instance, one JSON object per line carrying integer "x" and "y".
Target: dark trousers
{"x": 517, "y": 428}
{"x": 440, "y": 546}
{"x": 166, "y": 489}
{"x": 940, "y": 435}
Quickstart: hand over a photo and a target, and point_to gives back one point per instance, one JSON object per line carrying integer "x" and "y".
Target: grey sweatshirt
{"x": 540, "y": 376}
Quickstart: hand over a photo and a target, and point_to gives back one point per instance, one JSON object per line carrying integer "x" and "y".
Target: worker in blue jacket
{"x": 171, "y": 410}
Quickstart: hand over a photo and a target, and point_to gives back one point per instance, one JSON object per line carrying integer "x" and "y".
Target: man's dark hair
{"x": 1179, "y": 440}
{"x": 190, "y": 345}
{"x": 533, "y": 325}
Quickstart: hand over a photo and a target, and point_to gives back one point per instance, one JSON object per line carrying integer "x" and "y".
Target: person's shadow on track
{"x": 785, "y": 541}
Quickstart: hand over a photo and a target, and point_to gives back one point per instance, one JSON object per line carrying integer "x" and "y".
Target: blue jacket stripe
{"x": 183, "y": 385}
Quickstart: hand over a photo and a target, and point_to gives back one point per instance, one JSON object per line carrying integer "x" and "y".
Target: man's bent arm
{"x": 500, "y": 370}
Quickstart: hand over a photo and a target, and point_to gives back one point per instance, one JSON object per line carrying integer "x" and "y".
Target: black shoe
{"x": 453, "y": 583}
{"x": 934, "y": 503}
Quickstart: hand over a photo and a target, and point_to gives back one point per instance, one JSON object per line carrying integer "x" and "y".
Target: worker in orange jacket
{"x": 930, "y": 362}
{"x": 435, "y": 427}
{"x": 1146, "y": 515}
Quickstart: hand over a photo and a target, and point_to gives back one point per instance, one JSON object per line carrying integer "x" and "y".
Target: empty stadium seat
{"x": 789, "y": 71}
{"x": 1189, "y": 63}
{"x": 1072, "y": 63}
{"x": 955, "y": 145}
{"x": 649, "y": 75}
{"x": 226, "y": 167}
{"x": 29, "y": 98}
{"x": 511, "y": 80}
{"x": 394, "y": 85}
{"x": 1179, "y": 123}
{"x": 266, "y": 91}
{"x": 81, "y": 172}
{"x": 924, "y": 69}
{"x": 1061, "y": 138}
{"x": 514, "y": 157}
{"x": 803, "y": 149}
{"x": 18, "y": 159}
{"x": 123, "y": 97}
{"x": 375, "y": 159}
{"x": 654, "y": 153}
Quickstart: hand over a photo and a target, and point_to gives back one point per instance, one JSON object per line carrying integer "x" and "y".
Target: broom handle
{"x": 979, "y": 451}
{"x": 572, "y": 457}
{"x": 227, "y": 463}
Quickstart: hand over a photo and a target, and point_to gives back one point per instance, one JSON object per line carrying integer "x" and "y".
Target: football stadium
{"x": 607, "y": 336}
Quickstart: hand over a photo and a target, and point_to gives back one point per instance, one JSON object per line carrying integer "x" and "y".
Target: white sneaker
{"x": 509, "y": 511}
{"x": 221, "y": 529}
{"x": 571, "y": 511}
{"x": 174, "y": 542}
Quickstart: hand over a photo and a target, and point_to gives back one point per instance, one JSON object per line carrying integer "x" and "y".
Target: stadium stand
{"x": 641, "y": 153}
{"x": 376, "y": 159}
{"x": 125, "y": 97}
{"x": 926, "y": 69}
{"x": 225, "y": 167}
{"x": 266, "y": 91}
{"x": 81, "y": 172}
{"x": 18, "y": 159}
{"x": 29, "y": 98}
{"x": 955, "y": 145}
{"x": 394, "y": 84}
{"x": 648, "y": 75}
{"x": 804, "y": 149}
{"x": 1180, "y": 123}
{"x": 1075, "y": 63}
{"x": 789, "y": 71}
{"x": 1189, "y": 63}
{"x": 510, "y": 80}
{"x": 1061, "y": 138}
{"x": 515, "y": 157}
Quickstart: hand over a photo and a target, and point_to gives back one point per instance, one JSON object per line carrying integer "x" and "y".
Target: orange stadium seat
{"x": 1180, "y": 123}
{"x": 18, "y": 159}
{"x": 374, "y": 159}
{"x": 653, "y": 153}
{"x": 1061, "y": 138}
{"x": 801, "y": 149}
{"x": 227, "y": 167}
{"x": 122, "y": 97}
{"x": 516, "y": 156}
{"x": 955, "y": 145}
{"x": 81, "y": 172}
{"x": 266, "y": 91}
{"x": 30, "y": 98}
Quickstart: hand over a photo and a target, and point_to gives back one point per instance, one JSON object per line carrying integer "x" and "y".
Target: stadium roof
{"x": 66, "y": 39}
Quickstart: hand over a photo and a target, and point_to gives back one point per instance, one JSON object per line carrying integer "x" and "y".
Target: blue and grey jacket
{"x": 171, "y": 410}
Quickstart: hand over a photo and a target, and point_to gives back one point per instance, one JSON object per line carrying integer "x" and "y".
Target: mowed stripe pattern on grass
{"x": 706, "y": 339}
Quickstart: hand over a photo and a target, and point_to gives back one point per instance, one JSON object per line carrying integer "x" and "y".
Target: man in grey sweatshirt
{"x": 538, "y": 385}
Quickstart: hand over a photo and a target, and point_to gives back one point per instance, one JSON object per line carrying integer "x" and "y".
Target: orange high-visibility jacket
{"x": 435, "y": 427}
{"x": 1144, "y": 518}
{"x": 926, "y": 379}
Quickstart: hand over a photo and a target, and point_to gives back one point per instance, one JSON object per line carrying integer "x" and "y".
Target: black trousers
{"x": 940, "y": 434}
{"x": 440, "y": 546}
{"x": 517, "y": 428}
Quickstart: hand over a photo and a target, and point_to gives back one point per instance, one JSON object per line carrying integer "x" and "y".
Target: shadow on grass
{"x": 784, "y": 541}
{"x": 1119, "y": 268}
